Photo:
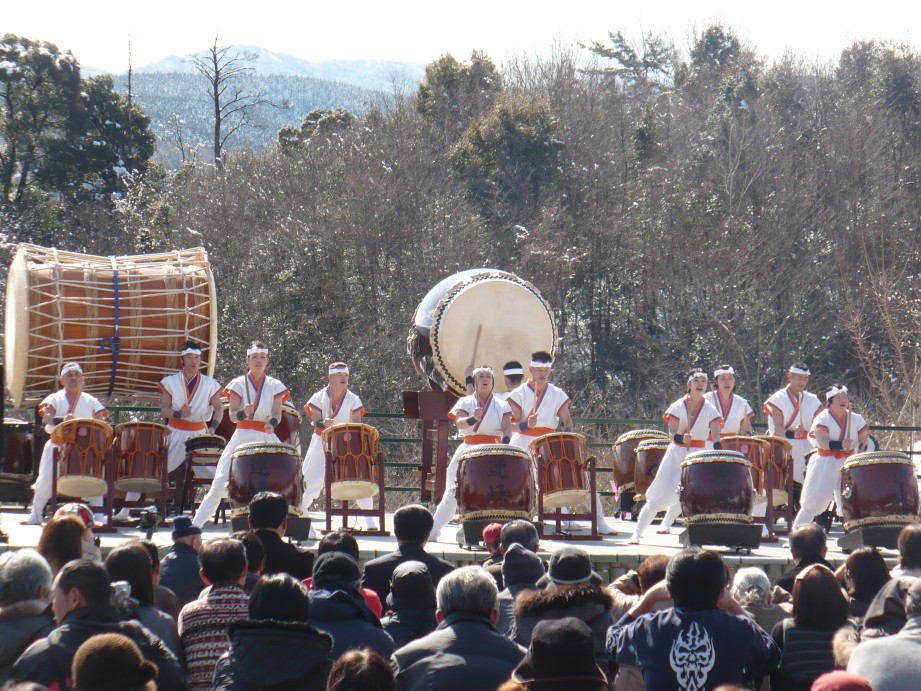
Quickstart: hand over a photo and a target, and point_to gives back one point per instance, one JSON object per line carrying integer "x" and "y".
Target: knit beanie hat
{"x": 335, "y": 567}
{"x": 112, "y": 662}
{"x": 521, "y": 566}
{"x": 411, "y": 587}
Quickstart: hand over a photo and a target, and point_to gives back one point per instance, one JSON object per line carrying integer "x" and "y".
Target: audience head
{"x": 839, "y": 680}
{"x": 491, "y": 536}
{"x": 570, "y": 566}
{"x": 361, "y": 670}
{"x": 865, "y": 573}
{"x": 818, "y": 602}
{"x": 24, "y": 575}
{"x": 336, "y": 570}
{"x": 808, "y": 543}
{"x": 910, "y": 547}
{"x": 223, "y": 562}
{"x": 652, "y": 570}
{"x": 412, "y": 524}
{"x": 131, "y": 563}
{"x": 154, "y": 553}
{"x": 268, "y": 511}
{"x": 751, "y": 586}
{"x": 522, "y": 532}
{"x": 185, "y": 533}
{"x": 469, "y": 589}
{"x": 339, "y": 541}
{"x": 112, "y": 662}
{"x": 253, "y": 548}
{"x": 61, "y": 541}
{"x": 280, "y": 597}
{"x": 521, "y": 565}
{"x": 695, "y": 578}
{"x": 80, "y": 583}
{"x": 561, "y": 657}
{"x": 411, "y": 587}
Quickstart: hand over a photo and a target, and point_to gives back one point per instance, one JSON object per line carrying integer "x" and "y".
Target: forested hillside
{"x": 675, "y": 209}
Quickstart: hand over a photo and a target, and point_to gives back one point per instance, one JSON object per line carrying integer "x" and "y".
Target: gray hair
{"x": 468, "y": 589}
{"x": 522, "y": 532}
{"x": 751, "y": 587}
{"x": 23, "y": 574}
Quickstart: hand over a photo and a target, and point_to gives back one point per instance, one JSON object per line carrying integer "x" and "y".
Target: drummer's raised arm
{"x": 217, "y": 411}
{"x": 566, "y": 417}
{"x": 507, "y": 428}
{"x": 715, "y": 428}
{"x": 780, "y": 428}
{"x": 357, "y": 414}
{"x": 235, "y": 406}
{"x": 166, "y": 405}
{"x": 48, "y": 414}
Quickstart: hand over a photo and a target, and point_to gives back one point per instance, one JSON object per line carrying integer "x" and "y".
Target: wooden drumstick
{"x": 476, "y": 345}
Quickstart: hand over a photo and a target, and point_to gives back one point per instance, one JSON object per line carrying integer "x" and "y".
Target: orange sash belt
{"x": 186, "y": 425}
{"x": 695, "y": 444}
{"x": 252, "y": 424}
{"x": 537, "y": 431}
{"x": 482, "y": 439}
{"x": 828, "y": 453}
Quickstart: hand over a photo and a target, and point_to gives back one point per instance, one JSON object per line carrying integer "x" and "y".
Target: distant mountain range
{"x": 293, "y": 87}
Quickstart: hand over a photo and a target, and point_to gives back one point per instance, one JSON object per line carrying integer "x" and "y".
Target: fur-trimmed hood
{"x": 563, "y": 597}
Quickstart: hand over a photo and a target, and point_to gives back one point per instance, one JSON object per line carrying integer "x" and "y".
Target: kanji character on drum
{"x": 335, "y": 404}
{"x": 190, "y": 401}
{"x": 737, "y": 414}
{"x": 540, "y": 407}
{"x": 691, "y": 419}
{"x": 790, "y": 412}
{"x": 838, "y": 432}
{"x": 481, "y": 418}
{"x": 70, "y": 403}
{"x": 255, "y": 405}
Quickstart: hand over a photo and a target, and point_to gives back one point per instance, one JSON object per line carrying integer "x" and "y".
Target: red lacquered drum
{"x": 716, "y": 487}
{"x": 780, "y": 454}
{"x": 760, "y": 454}
{"x": 878, "y": 488}
{"x": 354, "y": 460}
{"x": 494, "y": 481}
{"x": 565, "y": 480}
{"x": 17, "y": 448}
{"x": 265, "y": 467}
{"x": 649, "y": 455}
{"x": 625, "y": 456}
{"x": 289, "y": 427}
{"x": 83, "y": 444}
{"x": 140, "y": 453}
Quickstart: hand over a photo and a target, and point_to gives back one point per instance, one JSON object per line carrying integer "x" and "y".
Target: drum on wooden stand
{"x": 17, "y": 448}
{"x": 122, "y": 318}
{"x": 779, "y": 454}
{"x": 289, "y": 427}
{"x": 716, "y": 487}
{"x": 564, "y": 474}
{"x": 265, "y": 467}
{"x": 83, "y": 445}
{"x": 878, "y": 489}
{"x": 625, "y": 456}
{"x": 494, "y": 482}
{"x": 140, "y": 456}
{"x": 204, "y": 450}
{"x": 649, "y": 455}
{"x": 353, "y": 457}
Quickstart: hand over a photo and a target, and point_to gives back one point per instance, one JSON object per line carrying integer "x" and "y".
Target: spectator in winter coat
{"x": 521, "y": 570}
{"x": 25, "y": 604}
{"x": 179, "y": 570}
{"x": 411, "y": 603}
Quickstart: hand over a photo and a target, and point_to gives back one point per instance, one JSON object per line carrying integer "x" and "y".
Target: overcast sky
{"x": 97, "y": 31}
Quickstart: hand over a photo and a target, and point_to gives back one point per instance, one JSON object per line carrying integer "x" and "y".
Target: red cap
{"x": 491, "y": 533}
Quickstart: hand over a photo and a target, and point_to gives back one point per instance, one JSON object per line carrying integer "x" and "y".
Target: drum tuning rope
{"x": 113, "y": 343}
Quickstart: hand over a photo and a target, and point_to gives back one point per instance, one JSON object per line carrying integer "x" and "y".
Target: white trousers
{"x": 823, "y": 481}
{"x": 314, "y": 469}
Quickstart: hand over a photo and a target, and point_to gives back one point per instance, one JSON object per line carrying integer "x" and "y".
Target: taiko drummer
{"x": 481, "y": 418}
{"x": 691, "y": 420}
{"x": 334, "y": 404}
{"x": 838, "y": 433}
{"x": 190, "y": 402}
{"x": 70, "y": 403}
{"x": 540, "y": 407}
{"x": 736, "y": 412}
{"x": 790, "y": 412}
{"x": 255, "y": 402}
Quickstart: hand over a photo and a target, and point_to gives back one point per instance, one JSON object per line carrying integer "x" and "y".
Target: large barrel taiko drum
{"x": 354, "y": 459}
{"x": 83, "y": 447}
{"x": 716, "y": 487}
{"x": 140, "y": 454}
{"x": 265, "y": 467}
{"x": 494, "y": 482}
{"x": 123, "y": 319}
{"x": 649, "y": 455}
{"x": 562, "y": 465}
{"x": 478, "y": 317}
{"x": 625, "y": 456}
{"x": 878, "y": 488}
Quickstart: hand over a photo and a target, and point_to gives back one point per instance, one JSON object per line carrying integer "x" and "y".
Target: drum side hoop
{"x": 781, "y": 441}
{"x": 139, "y": 424}
{"x": 749, "y": 440}
{"x": 257, "y": 447}
{"x": 659, "y": 444}
{"x": 498, "y": 515}
{"x": 494, "y": 450}
{"x": 894, "y": 520}
{"x": 889, "y": 459}
{"x": 356, "y": 427}
{"x": 627, "y": 486}
{"x": 698, "y": 461}
{"x": 642, "y": 434}
{"x": 719, "y": 518}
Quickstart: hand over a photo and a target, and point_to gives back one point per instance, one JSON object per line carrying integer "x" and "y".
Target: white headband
{"x": 252, "y": 350}
{"x": 71, "y": 367}
{"x": 535, "y": 363}
{"x": 483, "y": 368}
{"x": 725, "y": 370}
{"x": 339, "y": 369}
{"x": 834, "y": 391}
{"x": 799, "y": 370}
{"x": 696, "y": 373}
{"x": 191, "y": 350}
{"x": 511, "y": 371}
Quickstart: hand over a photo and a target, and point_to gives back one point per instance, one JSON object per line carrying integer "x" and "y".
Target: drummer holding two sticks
{"x": 838, "y": 433}
{"x": 790, "y": 412}
{"x": 255, "y": 405}
{"x": 334, "y": 404}
{"x": 481, "y": 418}
{"x": 70, "y": 403}
{"x": 190, "y": 402}
{"x": 540, "y": 407}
